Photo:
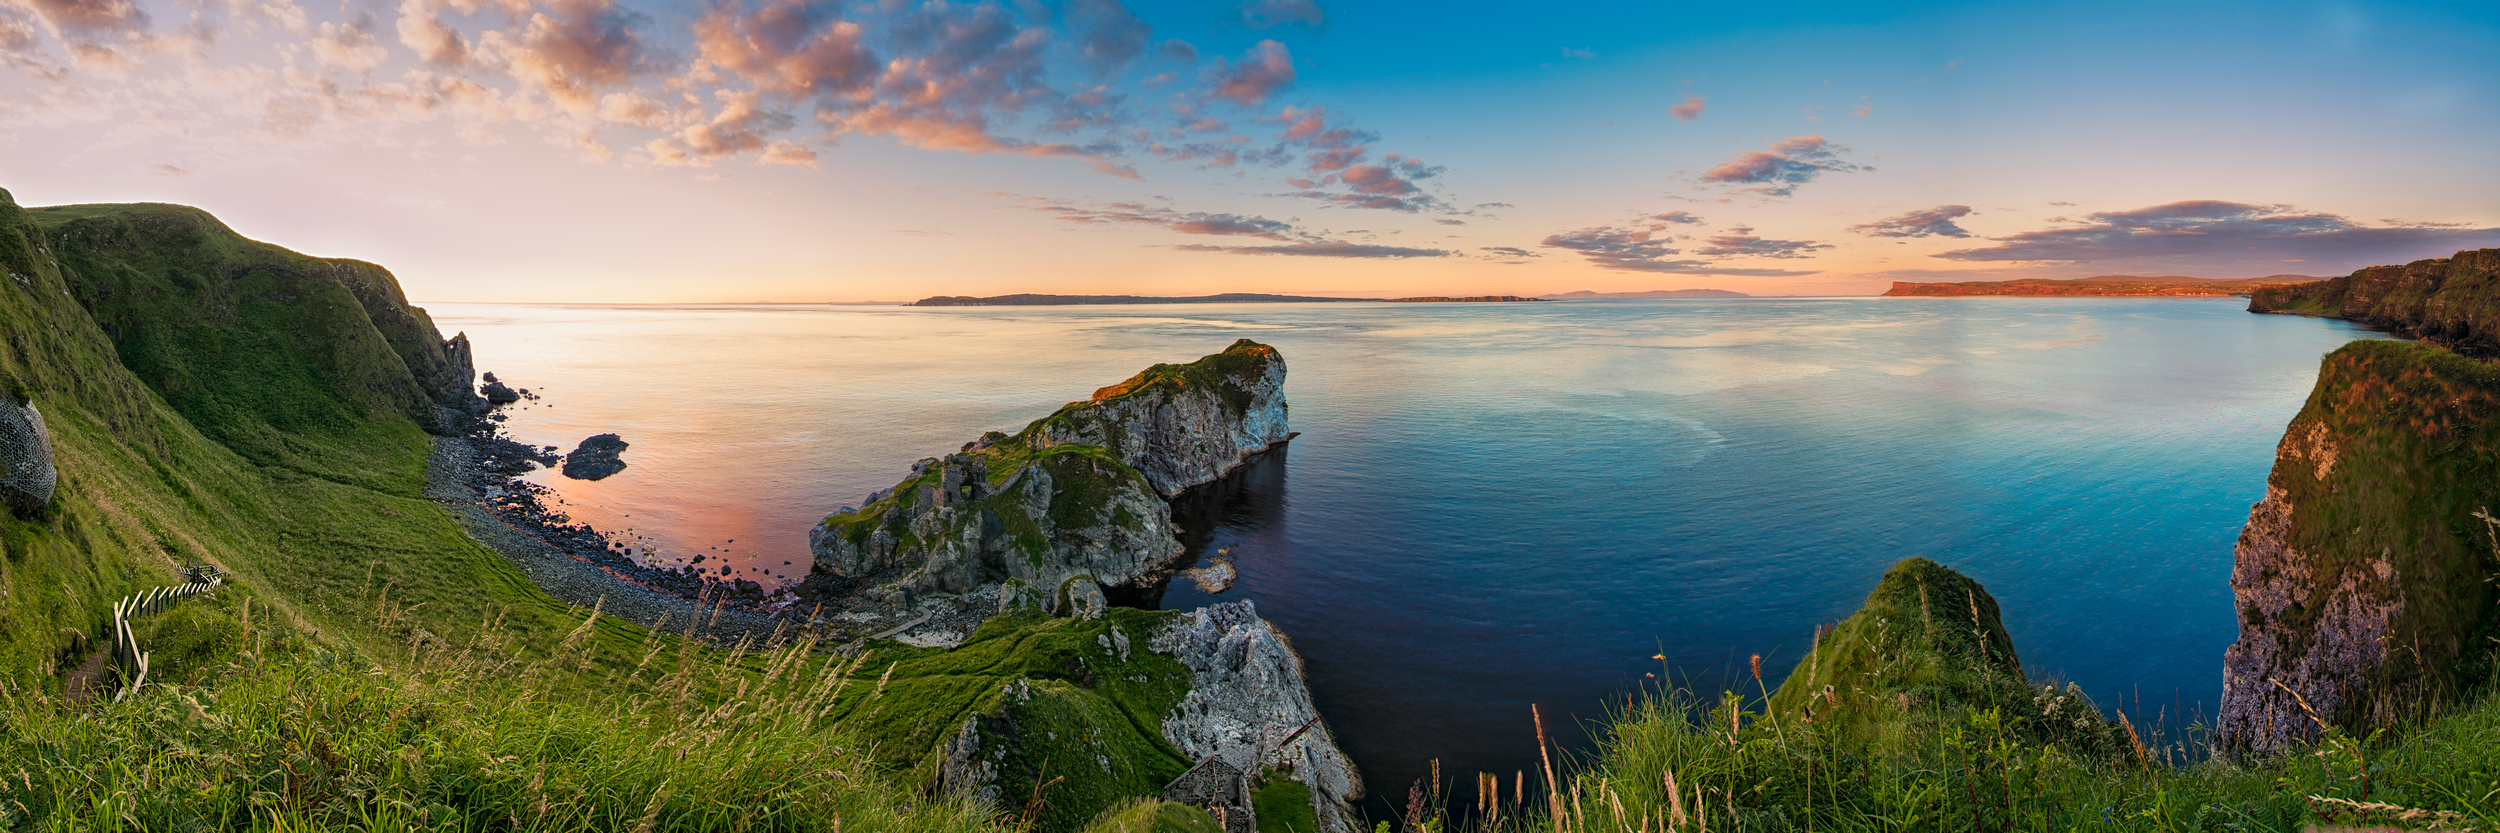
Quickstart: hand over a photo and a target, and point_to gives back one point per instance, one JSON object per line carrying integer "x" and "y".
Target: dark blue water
{"x": 1494, "y": 505}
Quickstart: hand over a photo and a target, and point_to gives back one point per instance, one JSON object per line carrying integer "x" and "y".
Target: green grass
{"x": 258, "y": 727}
{"x": 1092, "y": 721}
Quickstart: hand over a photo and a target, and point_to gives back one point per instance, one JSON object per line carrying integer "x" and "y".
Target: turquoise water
{"x": 1494, "y": 505}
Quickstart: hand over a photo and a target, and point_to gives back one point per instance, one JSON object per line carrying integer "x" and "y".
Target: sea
{"x": 1499, "y": 505}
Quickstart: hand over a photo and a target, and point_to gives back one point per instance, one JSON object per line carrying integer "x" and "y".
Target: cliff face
{"x": 1081, "y": 492}
{"x": 2361, "y": 578}
{"x": 2452, "y": 301}
{"x": 1181, "y": 424}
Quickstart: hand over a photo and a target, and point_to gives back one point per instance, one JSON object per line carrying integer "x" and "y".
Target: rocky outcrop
{"x": 2360, "y": 580}
{"x": 2451, "y": 301}
{"x": 596, "y": 458}
{"x": 1181, "y": 425}
{"x": 1082, "y": 492}
{"x": 1043, "y": 517}
{"x": 1249, "y": 705}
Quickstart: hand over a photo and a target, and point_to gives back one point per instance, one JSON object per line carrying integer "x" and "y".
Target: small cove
{"x": 1497, "y": 505}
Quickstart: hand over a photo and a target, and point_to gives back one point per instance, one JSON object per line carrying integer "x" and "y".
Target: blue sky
{"x": 634, "y": 151}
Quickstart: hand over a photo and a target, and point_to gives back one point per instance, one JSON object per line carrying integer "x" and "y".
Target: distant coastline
{"x": 1586, "y": 295}
{"x": 2104, "y": 286}
{"x": 1040, "y": 300}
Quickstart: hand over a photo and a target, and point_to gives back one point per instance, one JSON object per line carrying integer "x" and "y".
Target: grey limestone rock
{"x": 1183, "y": 425}
{"x": 1249, "y": 704}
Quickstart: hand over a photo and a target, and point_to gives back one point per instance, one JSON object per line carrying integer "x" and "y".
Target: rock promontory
{"x": 2451, "y": 301}
{"x": 2361, "y": 580}
{"x": 1078, "y": 495}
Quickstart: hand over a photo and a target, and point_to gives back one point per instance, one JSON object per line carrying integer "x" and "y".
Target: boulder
{"x": 596, "y": 458}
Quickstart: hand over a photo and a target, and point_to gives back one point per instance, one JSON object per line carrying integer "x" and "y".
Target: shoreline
{"x": 580, "y": 566}
{"x": 454, "y": 480}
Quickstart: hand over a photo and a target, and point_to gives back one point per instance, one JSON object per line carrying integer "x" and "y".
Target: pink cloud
{"x": 1689, "y": 110}
{"x": 1265, "y": 69}
{"x": 1778, "y": 171}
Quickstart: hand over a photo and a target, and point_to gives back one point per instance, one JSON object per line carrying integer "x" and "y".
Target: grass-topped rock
{"x": 1927, "y": 648}
{"x": 1081, "y": 492}
{"x": 1181, "y": 425}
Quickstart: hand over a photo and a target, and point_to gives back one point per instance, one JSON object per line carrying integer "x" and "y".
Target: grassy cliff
{"x": 2453, "y": 301}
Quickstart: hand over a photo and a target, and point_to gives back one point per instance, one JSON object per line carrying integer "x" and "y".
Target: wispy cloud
{"x": 1741, "y": 242}
{"x": 1330, "y": 248}
{"x": 1928, "y": 222}
{"x": 1648, "y": 244}
{"x": 1289, "y": 239}
{"x": 1786, "y": 165}
{"x": 2230, "y": 235}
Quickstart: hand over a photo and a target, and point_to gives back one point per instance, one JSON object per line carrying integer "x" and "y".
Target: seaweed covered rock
{"x": 1927, "y": 647}
{"x": 2361, "y": 579}
{"x": 1181, "y": 425}
{"x": 598, "y": 457}
{"x": 2452, "y": 301}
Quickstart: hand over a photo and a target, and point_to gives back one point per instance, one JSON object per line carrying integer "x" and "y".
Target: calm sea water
{"x": 1494, "y": 505}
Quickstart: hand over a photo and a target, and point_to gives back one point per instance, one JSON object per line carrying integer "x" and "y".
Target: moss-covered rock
{"x": 1927, "y": 648}
{"x": 2453, "y": 301}
{"x": 2362, "y": 579}
{"x": 1079, "y": 492}
{"x": 976, "y": 519}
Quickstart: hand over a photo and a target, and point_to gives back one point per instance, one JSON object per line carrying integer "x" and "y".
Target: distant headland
{"x": 2103, "y": 286}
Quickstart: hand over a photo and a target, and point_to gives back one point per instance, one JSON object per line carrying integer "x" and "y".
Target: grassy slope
{"x": 233, "y": 409}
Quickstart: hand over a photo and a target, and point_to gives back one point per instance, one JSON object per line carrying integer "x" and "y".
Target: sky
{"x": 785, "y": 150}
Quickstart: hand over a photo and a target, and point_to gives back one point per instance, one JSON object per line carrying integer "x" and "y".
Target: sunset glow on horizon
{"x": 785, "y": 150}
